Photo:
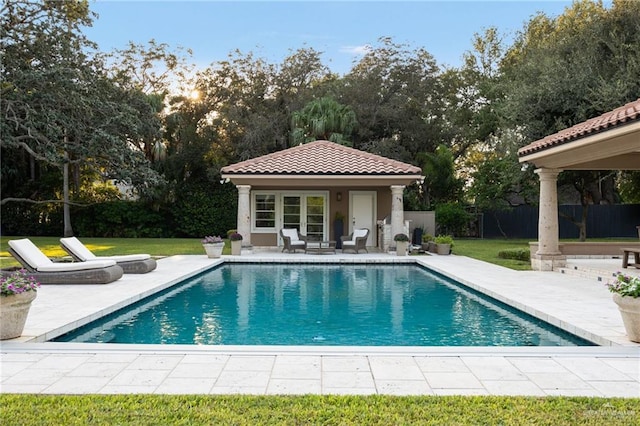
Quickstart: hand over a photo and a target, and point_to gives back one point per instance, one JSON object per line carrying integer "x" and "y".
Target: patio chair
{"x": 130, "y": 263}
{"x": 293, "y": 240}
{"x": 48, "y": 272}
{"x": 356, "y": 241}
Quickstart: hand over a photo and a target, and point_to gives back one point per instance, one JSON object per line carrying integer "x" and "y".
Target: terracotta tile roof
{"x": 616, "y": 118}
{"x": 321, "y": 158}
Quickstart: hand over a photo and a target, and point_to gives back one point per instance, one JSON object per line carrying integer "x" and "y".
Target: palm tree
{"x": 323, "y": 119}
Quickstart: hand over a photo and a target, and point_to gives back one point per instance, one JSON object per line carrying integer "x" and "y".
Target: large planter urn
{"x": 236, "y": 247}
{"x": 213, "y": 250}
{"x": 443, "y": 248}
{"x": 13, "y": 313}
{"x": 629, "y": 308}
{"x": 402, "y": 248}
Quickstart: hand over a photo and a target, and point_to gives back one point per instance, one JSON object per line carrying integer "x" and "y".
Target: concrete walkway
{"x": 579, "y": 305}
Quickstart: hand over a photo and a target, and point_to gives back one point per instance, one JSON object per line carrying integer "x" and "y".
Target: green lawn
{"x": 487, "y": 250}
{"x": 314, "y": 410}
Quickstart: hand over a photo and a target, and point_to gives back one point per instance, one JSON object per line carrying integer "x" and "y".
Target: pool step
{"x": 601, "y": 275}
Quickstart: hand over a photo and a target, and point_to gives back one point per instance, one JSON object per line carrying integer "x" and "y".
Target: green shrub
{"x": 205, "y": 210}
{"x": 120, "y": 219}
{"x": 515, "y": 254}
{"x": 444, "y": 239}
{"x": 31, "y": 219}
{"x": 452, "y": 219}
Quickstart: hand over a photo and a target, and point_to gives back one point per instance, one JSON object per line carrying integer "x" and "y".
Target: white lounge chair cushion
{"x": 356, "y": 233}
{"x": 359, "y": 233}
{"x": 293, "y": 235}
{"x": 84, "y": 254}
{"x": 40, "y": 262}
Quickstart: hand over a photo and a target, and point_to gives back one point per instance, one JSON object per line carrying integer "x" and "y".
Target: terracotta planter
{"x": 213, "y": 250}
{"x": 629, "y": 308}
{"x": 236, "y": 247}
{"x": 13, "y": 313}
{"x": 401, "y": 248}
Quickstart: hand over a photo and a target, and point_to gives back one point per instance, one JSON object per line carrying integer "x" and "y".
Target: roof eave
{"x": 577, "y": 153}
{"x": 317, "y": 180}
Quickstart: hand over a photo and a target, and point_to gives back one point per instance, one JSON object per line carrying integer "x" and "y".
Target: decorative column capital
{"x": 397, "y": 189}
{"x": 243, "y": 189}
{"x": 547, "y": 174}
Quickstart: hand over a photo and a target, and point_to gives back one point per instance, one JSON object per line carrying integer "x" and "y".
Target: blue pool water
{"x": 349, "y": 305}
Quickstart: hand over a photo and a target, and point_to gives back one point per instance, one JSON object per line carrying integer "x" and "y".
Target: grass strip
{"x": 25, "y": 409}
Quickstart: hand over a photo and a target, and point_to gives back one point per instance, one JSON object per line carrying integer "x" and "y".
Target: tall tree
{"x": 562, "y": 71}
{"x": 396, "y": 95}
{"x": 323, "y": 119}
{"x": 155, "y": 70}
{"x": 57, "y": 103}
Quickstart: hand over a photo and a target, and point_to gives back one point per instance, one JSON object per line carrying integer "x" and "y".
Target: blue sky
{"x": 339, "y": 29}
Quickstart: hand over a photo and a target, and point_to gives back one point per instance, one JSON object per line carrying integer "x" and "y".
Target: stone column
{"x": 397, "y": 211}
{"x": 244, "y": 214}
{"x": 548, "y": 255}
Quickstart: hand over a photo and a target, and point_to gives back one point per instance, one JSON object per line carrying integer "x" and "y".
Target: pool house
{"x": 324, "y": 190}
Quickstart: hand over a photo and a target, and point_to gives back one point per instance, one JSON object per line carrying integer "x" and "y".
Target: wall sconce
{"x": 339, "y": 196}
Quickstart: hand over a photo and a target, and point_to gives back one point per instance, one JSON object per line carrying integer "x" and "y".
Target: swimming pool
{"x": 346, "y": 305}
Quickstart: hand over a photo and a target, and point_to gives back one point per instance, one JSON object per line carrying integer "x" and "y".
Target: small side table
{"x": 321, "y": 247}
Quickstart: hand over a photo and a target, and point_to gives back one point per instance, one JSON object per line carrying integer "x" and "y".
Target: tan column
{"x": 244, "y": 213}
{"x": 548, "y": 255}
{"x": 548, "y": 216}
{"x": 397, "y": 210}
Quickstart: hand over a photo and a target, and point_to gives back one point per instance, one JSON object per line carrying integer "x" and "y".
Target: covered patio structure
{"x": 321, "y": 188}
{"x": 608, "y": 142}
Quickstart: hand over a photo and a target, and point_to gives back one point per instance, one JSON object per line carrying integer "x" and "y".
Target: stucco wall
{"x": 383, "y": 209}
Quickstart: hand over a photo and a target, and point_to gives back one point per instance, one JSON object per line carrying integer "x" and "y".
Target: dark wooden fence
{"x": 603, "y": 221}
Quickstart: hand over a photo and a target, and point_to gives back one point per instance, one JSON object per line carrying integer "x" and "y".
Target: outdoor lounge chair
{"x": 356, "y": 241}
{"x": 293, "y": 240}
{"x": 130, "y": 263}
{"x": 47, "y": 272}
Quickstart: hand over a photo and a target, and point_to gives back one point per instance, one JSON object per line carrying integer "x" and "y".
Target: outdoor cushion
{"x": 357, "y": 233}
{"x": 40, "y": 262}
{"x": 292, "y": 233}
{"x": 130, "y": 263}
{"x": 81, "y": 252}
{"x": 356, "y": 241}
{"x": 360, "y": 233}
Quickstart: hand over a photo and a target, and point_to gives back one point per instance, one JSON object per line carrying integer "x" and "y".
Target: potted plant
{"x": 213, "y": 246}
{"x": 236, "y": 243}
{"x": 626, "y": 294}
{"x": 427, "y": 240}
{"x": 17, "y": 292}
{"x": 402, "y": 244}
{"x": 444, "y": 244}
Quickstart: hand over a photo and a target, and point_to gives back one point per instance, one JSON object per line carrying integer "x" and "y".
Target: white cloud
{"x": 356, "y": 50}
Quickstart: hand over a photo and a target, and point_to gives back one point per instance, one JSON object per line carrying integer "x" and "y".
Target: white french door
{"x": 307, "y": 213}
{"x": 362, "y": 205}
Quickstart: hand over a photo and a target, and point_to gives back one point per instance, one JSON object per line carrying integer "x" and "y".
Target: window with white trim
{"x": 265, "y": 211}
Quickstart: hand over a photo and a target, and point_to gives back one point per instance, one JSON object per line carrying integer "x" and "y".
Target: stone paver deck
{"x": 582, "y": 306}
